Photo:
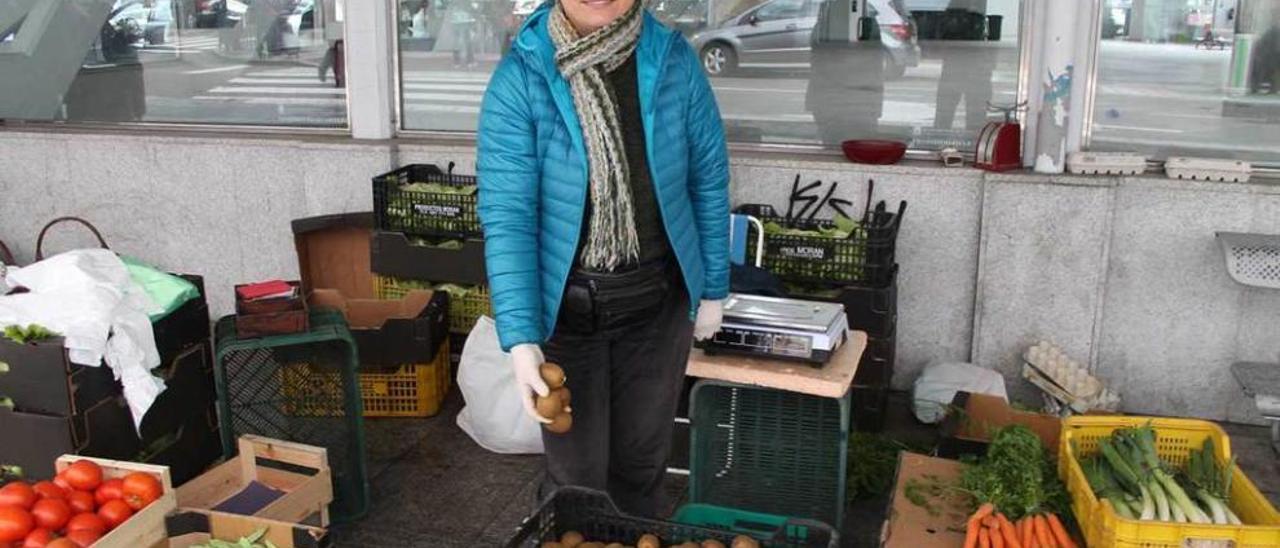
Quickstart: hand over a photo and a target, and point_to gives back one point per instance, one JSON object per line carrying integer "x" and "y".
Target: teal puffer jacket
{"x": 533, "y": 174}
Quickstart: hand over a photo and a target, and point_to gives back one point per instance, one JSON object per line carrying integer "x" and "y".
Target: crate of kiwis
{"x": 577, "y": 517}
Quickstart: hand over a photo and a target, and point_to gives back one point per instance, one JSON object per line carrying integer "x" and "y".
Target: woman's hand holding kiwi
{"x": 527, "y": 361}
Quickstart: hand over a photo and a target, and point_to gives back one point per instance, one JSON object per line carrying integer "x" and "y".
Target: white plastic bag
{"x": 937, "y": 386}
{"x": 493, "y": 415}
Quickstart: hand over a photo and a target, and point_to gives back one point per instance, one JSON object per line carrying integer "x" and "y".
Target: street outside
{"x": 1149, "y": 95}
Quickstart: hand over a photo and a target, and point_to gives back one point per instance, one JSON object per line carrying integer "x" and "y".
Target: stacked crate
{"x": 427, "y": 235}
{"x": 860, "y": 272}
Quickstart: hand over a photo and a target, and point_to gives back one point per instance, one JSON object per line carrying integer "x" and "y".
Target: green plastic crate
{"x": 251, "y": 375}
{"x": 769, "y": 451}
{"x": 757, "y": 525}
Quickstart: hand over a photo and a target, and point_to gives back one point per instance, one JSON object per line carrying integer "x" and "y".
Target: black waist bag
{"x": 595, "y": 302}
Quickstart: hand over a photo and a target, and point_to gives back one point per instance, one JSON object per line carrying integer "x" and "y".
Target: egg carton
{"x": 1055, "y": 373}
{"x": 1106, "y": 163}
{"x": 1207, "y": 169}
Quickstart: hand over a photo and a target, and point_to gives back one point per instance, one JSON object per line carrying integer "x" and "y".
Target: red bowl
{"x": 874, "y": 151}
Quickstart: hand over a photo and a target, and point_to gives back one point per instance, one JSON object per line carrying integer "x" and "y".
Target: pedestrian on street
{"x": 604, "y": 198}
{"x": 463, "y": 22}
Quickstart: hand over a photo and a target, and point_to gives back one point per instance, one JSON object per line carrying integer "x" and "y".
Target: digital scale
{"x": 791, "y": 329}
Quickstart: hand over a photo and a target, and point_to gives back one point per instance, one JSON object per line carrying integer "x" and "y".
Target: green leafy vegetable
{"x": 873, "y": 459}
{"x": 841, "y": 228}
{"x": 28, "y": 334}
{"x": 1016, "y": 476}
{"x": 440, "y": 188}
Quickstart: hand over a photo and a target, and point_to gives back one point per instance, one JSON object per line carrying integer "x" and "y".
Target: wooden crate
{"x": 188, "y": 528}
{"x": 145, "y": 528}
{"x": 305, "y": 494}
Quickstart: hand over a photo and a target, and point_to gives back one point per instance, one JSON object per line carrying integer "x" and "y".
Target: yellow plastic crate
{"x": 1175, "y": 439}
{"x": 412, "y": 390}
{"x": 463, "y": 312}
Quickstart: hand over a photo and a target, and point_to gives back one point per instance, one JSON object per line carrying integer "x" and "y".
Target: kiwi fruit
{"x": 563, "y": 392}
{"x": 560, "y": 424}
{"x": 591, "y": 545}
{"x": 552, "y": 374}
{"x": 571, "y": 539}
{"x": 552, "y": 544}
{"x": 712, "y": 543}
{"x": 648, "y": 541}
{"x": 743, "y": 541}
{"x": 613, "y": 545}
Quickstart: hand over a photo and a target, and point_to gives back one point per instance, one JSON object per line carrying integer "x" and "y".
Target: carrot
{"x": 990, "y": 522}
{"x": 1010, "y": 535}
{"x": 996, "y": 540}
{"x": 983, "y": 511}
{"x": 971, "y": 535}
{"x": 984, "y": 538}
{"x": 1041, "y": 527}
{"x": 1060, "y": 532}
{"x": 1024, "y": 532}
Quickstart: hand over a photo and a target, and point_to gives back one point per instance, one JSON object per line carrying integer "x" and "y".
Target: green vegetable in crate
{"x": 440, "y": 188}
{"x": 1128, "y": 472}
{"x": 28, "y": 334}
{"x": 250, "y": 541}
{"x": 841, "y": 228}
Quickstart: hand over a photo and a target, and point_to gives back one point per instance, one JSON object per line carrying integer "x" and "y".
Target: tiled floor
{"x": 432, "y": 486}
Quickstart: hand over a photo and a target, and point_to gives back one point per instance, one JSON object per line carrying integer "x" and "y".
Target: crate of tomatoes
{"x": 90, "y": 502}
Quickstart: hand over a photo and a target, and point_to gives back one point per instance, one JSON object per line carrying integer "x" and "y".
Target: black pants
{"x": 625, "y": 384}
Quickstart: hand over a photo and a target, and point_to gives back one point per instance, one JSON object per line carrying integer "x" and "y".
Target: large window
{"x": 784, "y": 71}
{"x": 244, "y": 62}
{"x": 1189, "y": 77}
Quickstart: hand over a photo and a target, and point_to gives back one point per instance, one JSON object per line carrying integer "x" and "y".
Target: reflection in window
{"x": 1193, "y": 77}
{"x": 250, "y": 62}
{"x": 784, "y": 71}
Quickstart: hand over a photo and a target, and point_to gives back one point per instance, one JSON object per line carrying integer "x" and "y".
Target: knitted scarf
{"x": 585, "y": 63}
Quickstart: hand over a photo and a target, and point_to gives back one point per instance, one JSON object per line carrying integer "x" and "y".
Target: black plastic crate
{"x": 870, "y": 404}
{"x": 870, "y": 308}
{"x": 103, "y": 430}
{"x": 875, "y": 369}
{"x": 594, "y": 515}
{"x": 400, "y": 207}
{"x": 180, "y": 430}
{"x": 186, "y": 326}
{"x": 398, "y": 255}
{"x": 865, "y": 257}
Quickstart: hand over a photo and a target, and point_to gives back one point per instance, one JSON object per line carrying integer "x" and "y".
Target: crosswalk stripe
{"x": 316, "y": 101}
{"x": 278, "y": 90}
{"x": 444, "y": 87}
{"x": 475, "y": 99}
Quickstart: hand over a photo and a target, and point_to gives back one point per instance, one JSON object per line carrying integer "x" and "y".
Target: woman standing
{"x": 604, "y": 195}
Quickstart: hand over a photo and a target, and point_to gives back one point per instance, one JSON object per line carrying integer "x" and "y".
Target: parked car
{"x": 686, "y": 16}
{"x": 777, "y": 33}
{"x": 152, "y": 20}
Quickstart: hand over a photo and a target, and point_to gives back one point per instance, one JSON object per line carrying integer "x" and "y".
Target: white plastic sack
{"x": 937, "y": 386}
{"x": 102, "y": 314}
{"x": 493, "y": 415}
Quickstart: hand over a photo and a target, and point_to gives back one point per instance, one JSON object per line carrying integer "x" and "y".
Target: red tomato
{"x": 18, "y": 494}
{"x": 84, "y": 537}
{"x": 81, "y": 501}
{"x": 141, "y": 489}
{"x": 39, "y": 538}
{"x": 51, "y": 514}
{"x": 49, "y": 490}
{"x": 62, "y": 543}
{"x": 112, "y": 489}
{"x": 87, "y": 521}
{"x": 15, "y": 523}
{"x": 61, "y": 481}
{"x": 84, "y": 475}
{"x": 115, "y": 512}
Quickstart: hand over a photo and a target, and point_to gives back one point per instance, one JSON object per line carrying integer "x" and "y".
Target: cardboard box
{"x": 186, "y": 528}
{"x": 939, "y": 525}
{"x": 180, "y": 430}
{"x": 974, "y": 417}
{"x": 334, "y": 262}
{"x": 268, "y": 478}
{"x": 146, "y": 527}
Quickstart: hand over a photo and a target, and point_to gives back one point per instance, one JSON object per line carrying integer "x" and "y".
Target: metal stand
{"x": 1262, "y": 382}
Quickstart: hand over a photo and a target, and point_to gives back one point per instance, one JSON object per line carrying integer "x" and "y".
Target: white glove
{"x": 527, "y": 360}
{"x": 710, "y": 314}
